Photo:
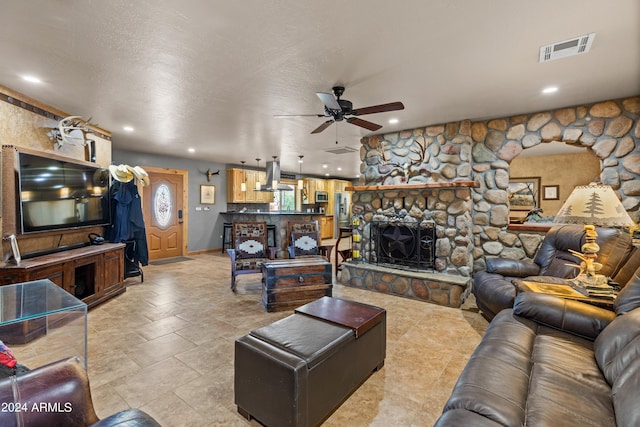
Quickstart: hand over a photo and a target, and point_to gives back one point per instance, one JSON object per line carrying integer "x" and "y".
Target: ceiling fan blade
{"x": 322, "y": 126}
{"x": 329, "y": 100}
{"x": 363, "y": 123}
{"x": 392, "y": 106}
{"x": 284, "y": 116}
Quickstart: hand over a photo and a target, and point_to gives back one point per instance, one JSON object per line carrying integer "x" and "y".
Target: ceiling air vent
{"x": 571, "y": 47}
{"x": 342, "y": 150}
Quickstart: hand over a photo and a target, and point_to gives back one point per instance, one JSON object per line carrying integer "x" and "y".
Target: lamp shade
{"x": 594, "y": 204}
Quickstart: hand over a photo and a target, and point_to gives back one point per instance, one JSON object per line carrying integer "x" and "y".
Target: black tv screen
{"x": 57, "y": 194}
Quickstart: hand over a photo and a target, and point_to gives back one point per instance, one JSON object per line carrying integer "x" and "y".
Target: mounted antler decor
{"x": 411, "y": 164}
{"x": 66, "y": 131}
{"x": 73, "y": 130}
{"x": 209, "y": 174}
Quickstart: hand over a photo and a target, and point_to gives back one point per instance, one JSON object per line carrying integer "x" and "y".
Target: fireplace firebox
{"x": 403, "y": 245}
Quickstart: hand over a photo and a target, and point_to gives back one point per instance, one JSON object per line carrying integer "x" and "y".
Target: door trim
{"x": 185, "y": 200}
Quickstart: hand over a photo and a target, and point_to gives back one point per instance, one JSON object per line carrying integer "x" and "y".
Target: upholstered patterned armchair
{"x": 250, "y": 250}
{"x": 305, "y": 240}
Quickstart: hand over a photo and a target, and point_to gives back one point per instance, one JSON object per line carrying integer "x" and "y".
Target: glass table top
{"x": 29, "y": 300}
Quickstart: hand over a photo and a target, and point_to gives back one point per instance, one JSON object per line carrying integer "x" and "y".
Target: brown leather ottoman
{"x": 298, "y": 370}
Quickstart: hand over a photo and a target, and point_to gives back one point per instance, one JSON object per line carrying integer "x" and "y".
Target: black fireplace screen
{"x": 403, "y": 245}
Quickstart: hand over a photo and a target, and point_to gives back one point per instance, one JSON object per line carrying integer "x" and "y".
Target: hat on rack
{"x": 140, "y": 174}
{"x": 121, "y": 173}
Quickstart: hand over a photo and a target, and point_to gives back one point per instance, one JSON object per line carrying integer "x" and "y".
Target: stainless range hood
{"x": 273, "y": 176}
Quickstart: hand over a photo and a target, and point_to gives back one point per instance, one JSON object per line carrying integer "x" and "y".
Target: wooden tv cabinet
{"x": 92, "y": 273}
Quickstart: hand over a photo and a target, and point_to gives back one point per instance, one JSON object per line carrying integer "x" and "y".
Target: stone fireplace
{"x": 413, "y": 240}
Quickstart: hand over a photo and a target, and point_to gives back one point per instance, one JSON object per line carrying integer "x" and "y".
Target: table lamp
{"x": 593, "y": 205}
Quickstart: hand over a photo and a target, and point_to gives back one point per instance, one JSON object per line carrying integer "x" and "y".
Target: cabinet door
{"x": 331, "y": 190}
{"x": 310, "y": 187}
{"x": 234, "y": 179}
{"x": 263, "y": 196}
{"x": 55, "y": 273}
{"x": 327, "y": 227}
{"x": 113, "y": 271}
{"x": 251, "y": 195}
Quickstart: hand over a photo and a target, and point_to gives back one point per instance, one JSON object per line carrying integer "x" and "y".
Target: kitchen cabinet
{"x": 234, "y": 195}
{"x": 311, "y": 185}
{"x": 235, "y": 178}
{"x": 326, "y": 227}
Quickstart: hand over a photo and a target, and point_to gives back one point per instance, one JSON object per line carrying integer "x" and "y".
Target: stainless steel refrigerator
{"x": 342, "y": 212}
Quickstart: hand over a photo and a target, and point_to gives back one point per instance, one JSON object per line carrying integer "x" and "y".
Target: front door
{"x": 163, "y": 206}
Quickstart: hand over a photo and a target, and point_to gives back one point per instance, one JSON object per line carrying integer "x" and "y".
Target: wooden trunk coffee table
{"x": 290, "y": 283}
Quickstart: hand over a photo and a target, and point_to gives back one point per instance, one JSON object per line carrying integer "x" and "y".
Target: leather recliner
{"x": 493, "y": 287}
{"x": 58, "y": 394}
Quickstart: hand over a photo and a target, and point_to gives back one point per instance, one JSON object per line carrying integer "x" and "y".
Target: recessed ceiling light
{"x": 128, "y": 128}
{"x": 393, "y": 121}
{"x": 191, "y": 150}
{"x": 32, "y": 79}
{"x": 339, "y": 168}
{"x": 324, "y": 165}
{"x": 326, "y": 174}
{"x": 550, "y": 89}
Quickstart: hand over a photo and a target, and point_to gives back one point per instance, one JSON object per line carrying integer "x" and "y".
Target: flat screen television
{"x": 58, "y": 194}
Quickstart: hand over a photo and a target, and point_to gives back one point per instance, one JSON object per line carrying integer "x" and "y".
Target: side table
{"x": 563, "y": 291}
{"x": 32, "y": 310}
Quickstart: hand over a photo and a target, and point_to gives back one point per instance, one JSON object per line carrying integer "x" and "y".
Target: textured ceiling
{"x": 211, "y": 74}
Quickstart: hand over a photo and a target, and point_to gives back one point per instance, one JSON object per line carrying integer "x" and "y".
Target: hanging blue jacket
{"x": 128, "y": 222}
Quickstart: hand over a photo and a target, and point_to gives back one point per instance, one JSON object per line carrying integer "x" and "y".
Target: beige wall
{"x": 24, "y": 128}
{"x": 563, "y": 170}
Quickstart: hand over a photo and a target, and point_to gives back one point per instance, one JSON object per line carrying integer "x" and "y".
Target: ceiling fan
{"x": 338, "y": 109}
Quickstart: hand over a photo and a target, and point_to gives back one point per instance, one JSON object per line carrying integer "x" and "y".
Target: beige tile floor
{"x": 166, "y": 346}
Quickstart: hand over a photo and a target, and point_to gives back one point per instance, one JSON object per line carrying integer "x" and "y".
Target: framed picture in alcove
{"x": 524, "y": 193}
{"x": 550, "y": 192}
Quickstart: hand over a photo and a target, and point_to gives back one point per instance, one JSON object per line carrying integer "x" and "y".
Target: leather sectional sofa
{"x": 554, "y": 362}
{"x": 494, "y": 290}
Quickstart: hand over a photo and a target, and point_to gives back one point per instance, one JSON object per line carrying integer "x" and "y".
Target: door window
{"x": 162, "y": 205}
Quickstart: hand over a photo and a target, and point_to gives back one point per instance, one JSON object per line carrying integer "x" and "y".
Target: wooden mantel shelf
{"x": 430, "y": 185}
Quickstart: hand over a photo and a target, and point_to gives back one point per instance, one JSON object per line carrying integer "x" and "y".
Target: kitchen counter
{"x": 272, "y": 213}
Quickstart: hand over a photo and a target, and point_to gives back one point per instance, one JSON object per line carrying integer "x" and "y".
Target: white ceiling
{"x": 212, "y": 74}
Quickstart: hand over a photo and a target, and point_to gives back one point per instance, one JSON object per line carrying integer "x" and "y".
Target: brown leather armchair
{"x": 58, "y": 395}
{"x": 494, "y": 290}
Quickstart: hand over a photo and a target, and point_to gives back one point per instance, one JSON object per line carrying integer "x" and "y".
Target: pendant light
{"x": 258, "y": 184}
{"x": 274, "y": 183}
{"x": 243, "y": 185}
{"x": 300, "y": 183}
